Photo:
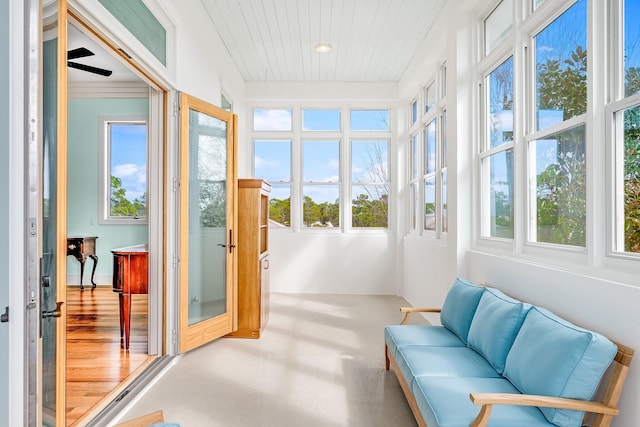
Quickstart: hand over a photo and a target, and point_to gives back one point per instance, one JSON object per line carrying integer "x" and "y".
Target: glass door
{"x": 50, "y": 244}
{"x": 208, "y": 187}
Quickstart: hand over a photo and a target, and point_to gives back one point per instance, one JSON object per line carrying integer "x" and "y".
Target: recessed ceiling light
{"x": 323, "y": 47}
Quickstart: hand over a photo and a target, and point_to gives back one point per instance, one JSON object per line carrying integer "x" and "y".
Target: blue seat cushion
{"x": 551, "y": 356}
{"x": 459, "y": 307}
{"x": 398, "y": 335}
{"x": 495, "y": 325}
{"x": 444, "y": 402}
{"x": 417, "y": 361}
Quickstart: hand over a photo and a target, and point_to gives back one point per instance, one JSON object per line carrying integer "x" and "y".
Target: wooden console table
{"x": 130, "y": 276}
{"x": 81, "y": 248}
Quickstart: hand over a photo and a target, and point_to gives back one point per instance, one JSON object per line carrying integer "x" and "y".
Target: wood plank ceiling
{"x": 274, "y": 40}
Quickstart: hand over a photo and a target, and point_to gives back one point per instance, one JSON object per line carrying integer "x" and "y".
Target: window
{"x": 329, "y": 171}
{"x": 427, "y": 173}
{"x": 414, "y": 183}
{"x": 557, "y": 201}
{"x": 625, "y": 116}
{"x": 498, "y": 25}
{"x": 414, "y": 112}
{"x": 272, "y": 120}
{"x": 429, "y": 176}
{"x": 321, "y": 184}
{"x": 430, "y": 95}
{"x": 272, "y": 162}
{"x": 321, "y": 120}
{"x": 123, "y": 174}
{"x": 496, "y": 157}
{"x": 369, "y": 183}
{"x": 369, "y": 120}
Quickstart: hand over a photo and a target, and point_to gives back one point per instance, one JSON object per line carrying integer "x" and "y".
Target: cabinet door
{"x": 208, "y": 214}
{"x": 264, "y": 290}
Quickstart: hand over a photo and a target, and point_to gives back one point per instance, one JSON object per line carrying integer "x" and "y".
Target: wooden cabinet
{"x": 253, "y": 257}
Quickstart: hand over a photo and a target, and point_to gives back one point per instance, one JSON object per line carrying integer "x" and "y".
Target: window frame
{"x": 104, "y": 169}
{"x": 297, "y": 136}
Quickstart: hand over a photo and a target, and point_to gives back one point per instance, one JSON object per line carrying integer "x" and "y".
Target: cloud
{"x": 134, "y": 178}
{"x": 261, "y": 163}
{"x": 272, "y": 119}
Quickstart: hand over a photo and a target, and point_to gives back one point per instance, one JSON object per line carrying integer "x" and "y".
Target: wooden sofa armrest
{"x": 408, "y": 310}
{"x": 487, "y": 400}
{"x": 144, "y": 421}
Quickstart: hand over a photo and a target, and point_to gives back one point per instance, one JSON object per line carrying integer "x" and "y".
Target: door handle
{"x": 4, "y": 318}
{"x": 53, "y": 313}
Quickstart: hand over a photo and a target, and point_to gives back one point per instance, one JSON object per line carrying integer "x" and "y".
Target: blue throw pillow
{"x": 459, "y": 307}
{"x": 553, "y": 357}
{"x": 495, "y": 325}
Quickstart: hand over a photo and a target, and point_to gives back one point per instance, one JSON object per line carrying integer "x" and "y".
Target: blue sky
{"x": 129, "y": 157}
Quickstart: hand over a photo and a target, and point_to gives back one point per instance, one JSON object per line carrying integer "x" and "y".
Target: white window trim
{"x": 104, "y": 160}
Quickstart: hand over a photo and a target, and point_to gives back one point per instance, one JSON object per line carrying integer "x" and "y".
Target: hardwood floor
{"x": 96, "y": 362}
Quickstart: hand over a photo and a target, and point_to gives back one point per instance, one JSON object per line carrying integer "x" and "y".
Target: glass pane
{"x": 537, "y": 3}
{"x": 272, "y": 161}
{"x": 370, "y": 205}
{"x": 430, "y": 148}
{"x": 498, "y": 25}
{"x": 431, "y": 96}
{"x": 414, "y": 156}
{"x": 49, "y": 212}
{"x": 445, "y": 218}
{"x": 561, "y": 67}
{"x": 631, "y": 180}
{"x": 207, "y": 217}
{"x": 560, "y": 168}
{"x": 272, "y": 120}
{"x": 430, "y": 203}
{"x": 321, "y": 161}
{"x": 321, "y": 206}
{"x": 444, "y": 139}
{"x": 321, "y": 120}
{"x": 128, "y": 169}
{"x": 500, "y": 108}
{"x": 631, "y": 47}
{"x": 280, "y": 206}
{"x": 370, "y": 161}
{"x": 370, "y": 120}
{"x": 499, "y": 196}
{"x": 414, "y": 112}
{"x": 413, "y": 208}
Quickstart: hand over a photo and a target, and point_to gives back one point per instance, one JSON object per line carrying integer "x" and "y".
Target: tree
{"x": 561, "y": 187}
{"x": 632, "y": 180}
{"x": 121, "y": 205}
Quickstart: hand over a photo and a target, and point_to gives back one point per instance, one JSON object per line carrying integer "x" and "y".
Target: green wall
{"x": 82, "y": 189}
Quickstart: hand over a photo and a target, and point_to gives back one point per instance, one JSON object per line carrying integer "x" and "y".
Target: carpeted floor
{"x": 320, "y": 362}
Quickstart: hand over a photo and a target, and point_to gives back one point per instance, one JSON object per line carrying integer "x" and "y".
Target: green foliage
{"x": 561, "y": 187}
{"x": 563, "y": 85}
{"x": 632, "y": 180}
{"x": 213, "y": 204}
{"x": 280, "y": 211}
{"x": 121, "y": 205}
{"x": 370, "y": 213}
{"x": 320, "y": 215}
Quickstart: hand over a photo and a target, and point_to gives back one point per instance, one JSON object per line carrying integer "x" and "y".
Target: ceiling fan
{"x": 83, "y": 52}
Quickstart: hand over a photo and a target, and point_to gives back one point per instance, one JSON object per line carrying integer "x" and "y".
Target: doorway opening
{"x": 114, "y": 202}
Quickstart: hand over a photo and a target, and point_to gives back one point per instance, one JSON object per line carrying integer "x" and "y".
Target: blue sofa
{"x": 499, "y": 362}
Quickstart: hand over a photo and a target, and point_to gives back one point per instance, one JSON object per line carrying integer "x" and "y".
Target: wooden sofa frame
{"x": 602, "y": 411}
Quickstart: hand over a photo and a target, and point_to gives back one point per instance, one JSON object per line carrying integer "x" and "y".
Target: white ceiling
{"x": 101, "y": 59}
{"x": 274, "y": 40}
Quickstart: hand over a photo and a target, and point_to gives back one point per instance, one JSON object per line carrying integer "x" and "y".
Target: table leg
{"x": 82, "y": 261}
{"x": 93, "y": 272}
{"x": 121, "y": 306}
{"x": 127, "y": 319}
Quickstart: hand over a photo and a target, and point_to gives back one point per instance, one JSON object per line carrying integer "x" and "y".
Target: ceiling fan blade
{"x": 90, "y": 69}
{"x": 80, "y": 52}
